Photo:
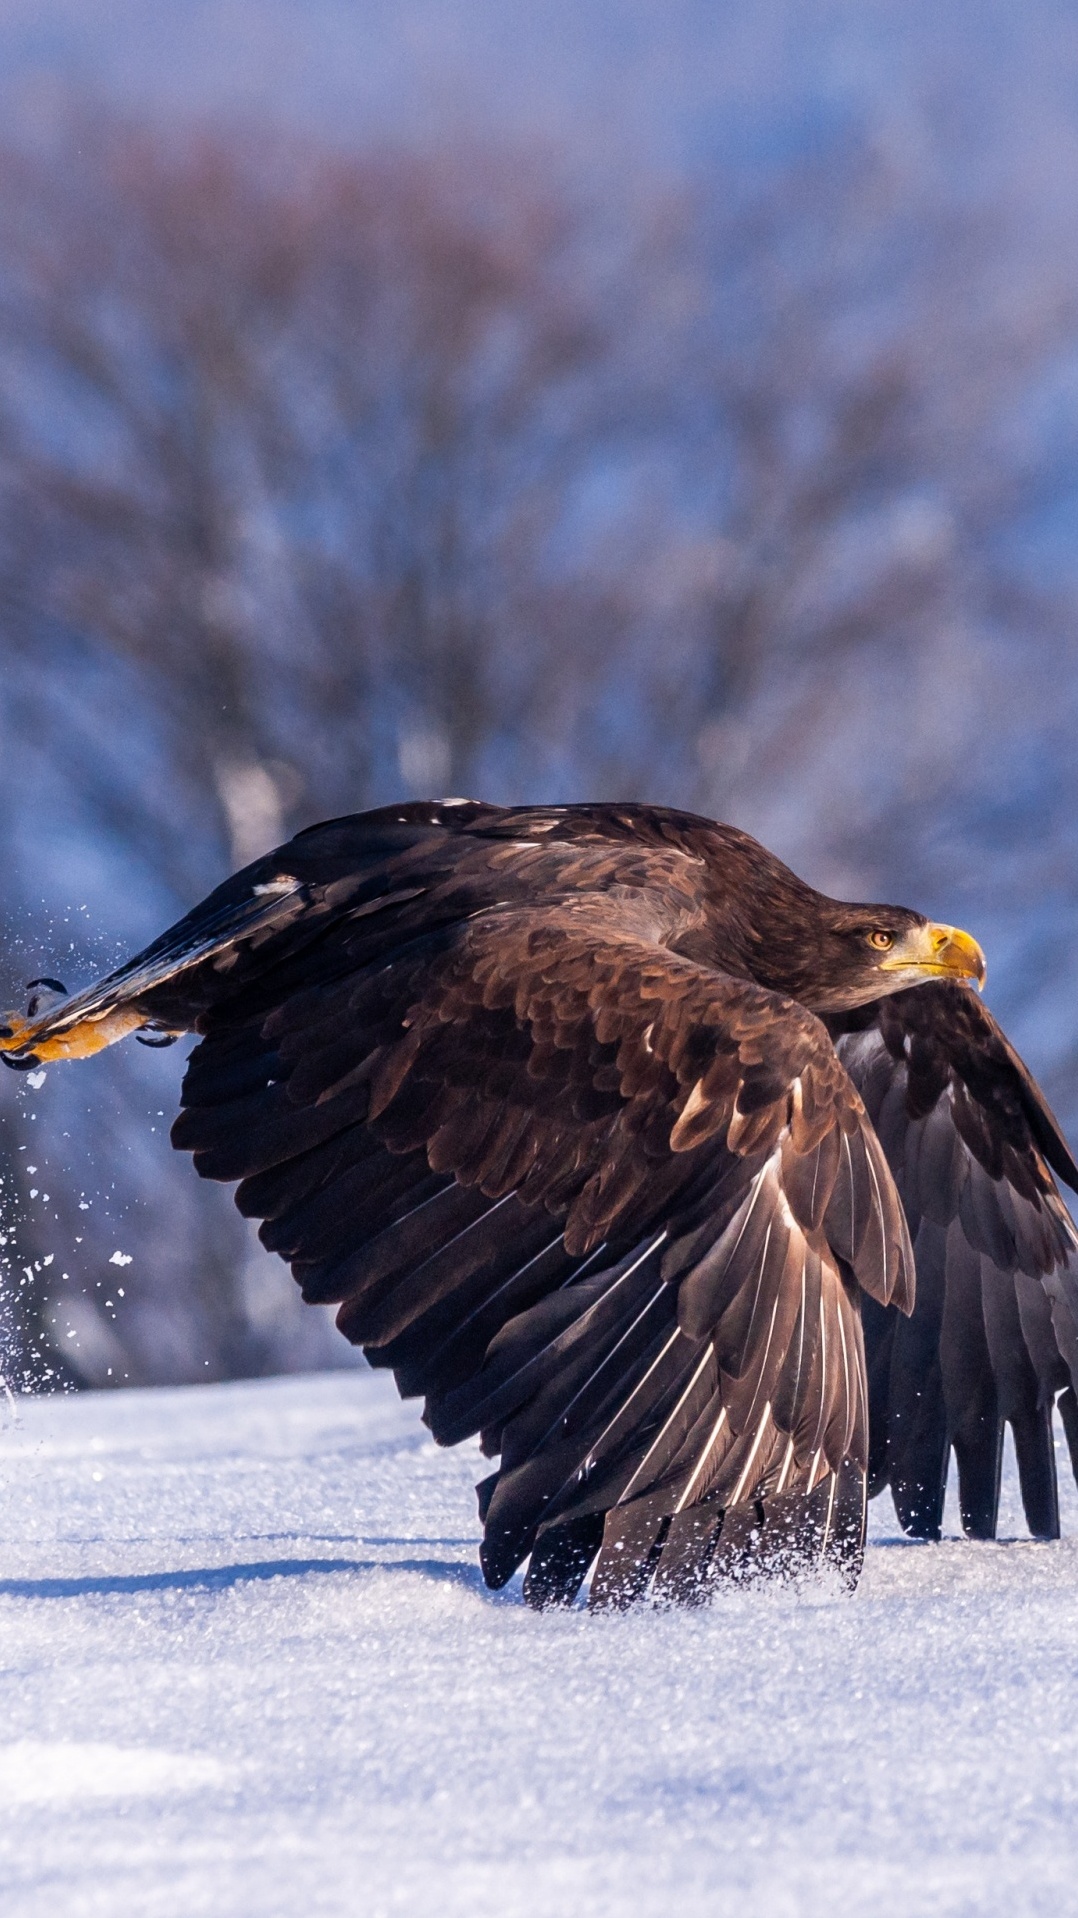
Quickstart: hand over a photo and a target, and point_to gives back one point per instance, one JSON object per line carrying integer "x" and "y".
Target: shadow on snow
{"x": 224, "y": 1577}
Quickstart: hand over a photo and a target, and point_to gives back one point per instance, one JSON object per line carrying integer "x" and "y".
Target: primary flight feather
{"x": 620, "y": 1145}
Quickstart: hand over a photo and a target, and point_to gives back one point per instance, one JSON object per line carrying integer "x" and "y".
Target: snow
{"x": 249, "y": 1667}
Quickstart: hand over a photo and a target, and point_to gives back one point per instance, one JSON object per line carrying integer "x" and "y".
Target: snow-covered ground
{"x": 248, "y": 1667}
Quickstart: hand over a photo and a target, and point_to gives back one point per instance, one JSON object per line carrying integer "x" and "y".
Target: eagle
{"x": 713, "y": 1205}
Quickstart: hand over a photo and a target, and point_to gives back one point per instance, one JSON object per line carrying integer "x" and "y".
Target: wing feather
{"x": 972, "y": 1145}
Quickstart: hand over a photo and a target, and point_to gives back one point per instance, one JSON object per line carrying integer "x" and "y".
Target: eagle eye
{"x": 880, "y": 939}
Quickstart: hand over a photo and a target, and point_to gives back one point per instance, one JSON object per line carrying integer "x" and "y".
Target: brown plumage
{"x": 563, "y": 1108}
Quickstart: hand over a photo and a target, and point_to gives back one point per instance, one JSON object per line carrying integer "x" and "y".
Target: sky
{"x": 661, "y": 82}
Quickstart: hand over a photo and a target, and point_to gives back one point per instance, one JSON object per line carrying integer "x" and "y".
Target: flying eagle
{"x": 622, "y": 1146}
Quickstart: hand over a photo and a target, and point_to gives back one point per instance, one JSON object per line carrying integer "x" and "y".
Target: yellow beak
{"x": 937, "y": 952}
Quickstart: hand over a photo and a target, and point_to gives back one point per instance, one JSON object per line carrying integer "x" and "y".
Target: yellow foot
{"x": 77, "y": 1041}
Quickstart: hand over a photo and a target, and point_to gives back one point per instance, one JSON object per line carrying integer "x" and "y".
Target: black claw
{"x": 26, "y": 1064}
{"x": 41, "y": 1001}
{"x": 158, "y": 1042}
{"x": 7, "y": 1032}
{"x": 37, "y": 1002}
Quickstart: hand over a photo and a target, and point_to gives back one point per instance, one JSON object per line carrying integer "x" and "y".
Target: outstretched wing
{"x": 593, "y": 1200}
{"x": 994, "y": 1336}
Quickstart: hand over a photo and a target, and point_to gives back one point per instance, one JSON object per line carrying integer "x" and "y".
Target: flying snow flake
{"x": 36, "y": 1079}
{"x": 121, "y": 1258}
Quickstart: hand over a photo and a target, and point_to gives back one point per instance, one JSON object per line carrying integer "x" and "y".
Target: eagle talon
{"x": 25, "y": 1063}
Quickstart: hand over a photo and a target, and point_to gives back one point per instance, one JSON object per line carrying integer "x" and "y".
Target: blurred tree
{"x": 302, "y": 419}
{"x": 324, "y": 478}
